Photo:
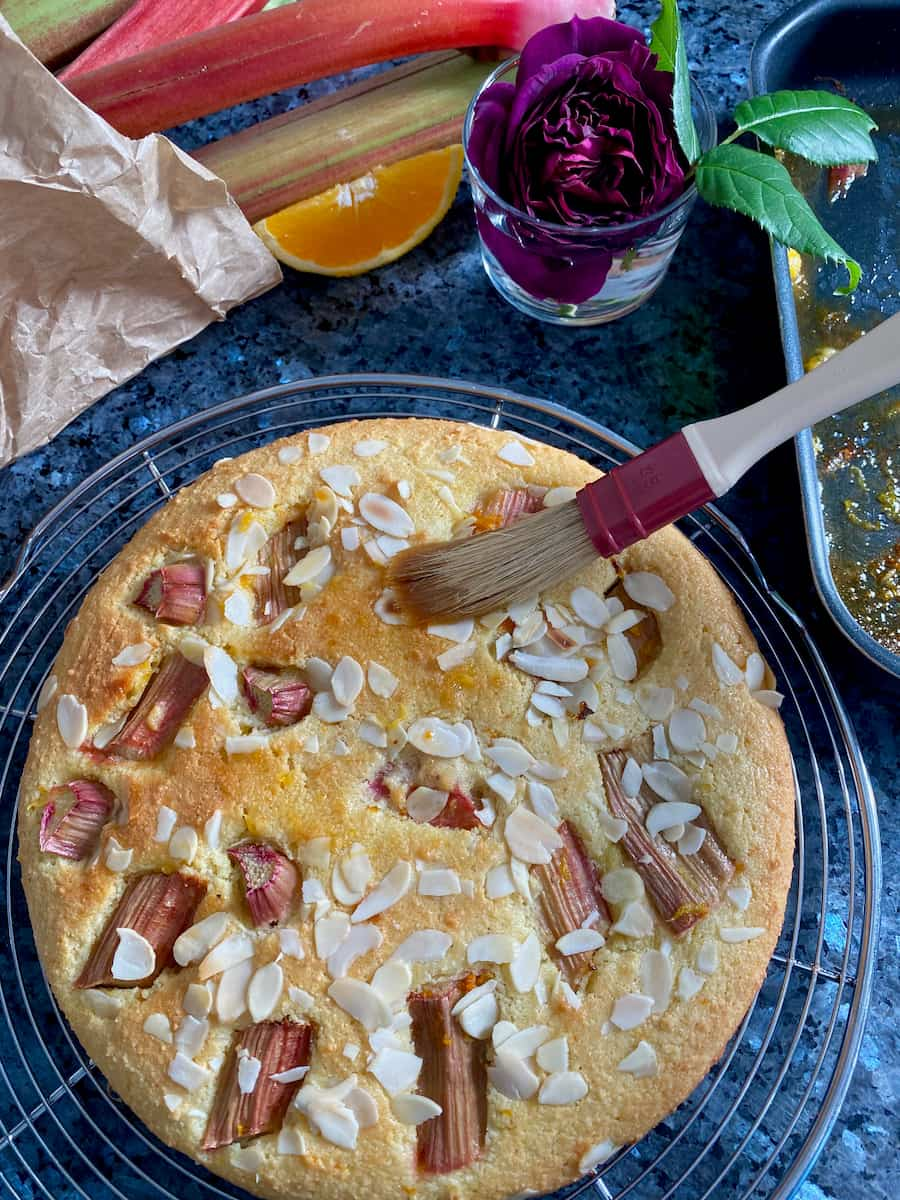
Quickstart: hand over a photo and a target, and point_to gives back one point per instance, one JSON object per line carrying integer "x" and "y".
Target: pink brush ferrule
{"x": 642, "y": 495}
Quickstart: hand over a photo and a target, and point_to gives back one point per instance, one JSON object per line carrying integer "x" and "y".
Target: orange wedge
{"x": 374, "y": 220}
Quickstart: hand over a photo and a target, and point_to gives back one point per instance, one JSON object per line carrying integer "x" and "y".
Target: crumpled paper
{"x": 112, "y": 252}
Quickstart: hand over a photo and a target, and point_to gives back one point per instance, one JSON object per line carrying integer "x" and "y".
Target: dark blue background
{"x": 707, "y": 343}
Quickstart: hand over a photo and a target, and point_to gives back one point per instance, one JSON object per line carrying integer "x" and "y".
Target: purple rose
{"x": 584, "y": 138}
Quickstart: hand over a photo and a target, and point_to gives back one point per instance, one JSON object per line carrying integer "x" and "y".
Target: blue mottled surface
{"x": 708, "y": 342}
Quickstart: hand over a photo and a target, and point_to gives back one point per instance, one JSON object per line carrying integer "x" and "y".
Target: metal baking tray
{"x": 849, "y": 465}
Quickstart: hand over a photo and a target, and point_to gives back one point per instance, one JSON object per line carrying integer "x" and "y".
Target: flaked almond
{"x": 386, "y": 515}
{"x": 393, "y": 887}
{"x": 644, "y": 639}
{"x": 361, "y": 1001}
{"x": 515, "y": 454}
{"x": 157, "y": 908}
{"x": 73, "y": 818}
{"x": 360, "y": 940}
{"x": 529, "y": 838}
{"x": 425, "y": 945}
{"x": 71, "y": 720}
{"x": 167, "y": 699}
{"x": 512, "y": 1077}
{"x": 279, "y": 1047}
{"x": 270, "y": 881}
{"x": 563, "y": 1087}
{"x": 175, "y": 594}
{"x": 396, "y": 1070}
{"x": 264, "y": 991}
{"x": 255, "y": 490}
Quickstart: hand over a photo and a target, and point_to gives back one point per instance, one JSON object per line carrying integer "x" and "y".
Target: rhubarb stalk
{"x": 278, "y": 556}
{"x": 570, "y": 894}
{"x": 454, "y": 1075}
{"x": 175, "y": 594}
{"x": 278, "y": 699}
{"x": 74, "y": 831}
{"x": 166, "y": 701}
{"x": 457, "y": 813}
{"x": 504, "y": 506}
{"x": 396, "y": 114}
{"x": 159, "y": 908}
{"x": 149, "y": 23}
{"x": 54, "y": 29}
{"x": 279, "y": 1047}
{"x": 684, "y": 887}
{"x": 296, "y": 44}
{"x": 270, "y": 881}
{"x": 644, "y": 637}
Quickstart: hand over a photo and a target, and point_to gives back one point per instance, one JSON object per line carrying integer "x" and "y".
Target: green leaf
{"x": 819, "y": 126}
{"x": 666, "y": 42}
{"x": 758, "y": 186}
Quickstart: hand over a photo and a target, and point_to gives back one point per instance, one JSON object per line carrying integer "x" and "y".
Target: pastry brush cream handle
{"x": 726, "y": 447}
{"x": 703, "y": 461}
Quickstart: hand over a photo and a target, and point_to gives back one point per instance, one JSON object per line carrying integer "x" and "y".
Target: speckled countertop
{"x": 708, "y": 342}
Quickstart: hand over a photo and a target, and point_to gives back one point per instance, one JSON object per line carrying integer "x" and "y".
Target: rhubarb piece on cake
{"x": 270, "y": 881}
{"x": 273, "y": 595}
{"x": 175, "y": 594}
{"x": 167, "y": 699}
{"x": 504, "y": 506}
{"x": 571, "y": 899}
{"x": 278, "y": 698}
{"x": 136, "y": 943}
{"x": 454, "y": 1075}
{"x": 457, "y": 813}
{"x": 74, "y": 817}
{"x": 684, "y": 887}
{"x": 277, "y": 1057}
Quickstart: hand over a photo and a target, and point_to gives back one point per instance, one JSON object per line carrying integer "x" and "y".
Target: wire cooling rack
{"x": 754, "y": 1126}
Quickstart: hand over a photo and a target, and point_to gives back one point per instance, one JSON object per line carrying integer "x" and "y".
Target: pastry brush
{"x": 493, "y": 570}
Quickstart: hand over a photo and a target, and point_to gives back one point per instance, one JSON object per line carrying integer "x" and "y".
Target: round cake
{"x": 338, "y": 901}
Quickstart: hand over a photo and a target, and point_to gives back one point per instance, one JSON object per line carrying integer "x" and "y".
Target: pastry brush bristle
{"x": 490, "y": 571}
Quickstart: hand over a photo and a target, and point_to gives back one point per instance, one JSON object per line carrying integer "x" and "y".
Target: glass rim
{"x": 580, "y": 231}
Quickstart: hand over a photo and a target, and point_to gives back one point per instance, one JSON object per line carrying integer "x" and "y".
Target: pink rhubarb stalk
{"x": 454, "y": 1075}
{"x": 279, "y": 555}
{"x": 279, "y": 1046}
{"x": 270, "y": 881}
{"x": 53, "y": 30}
{"x": 299, "y": 43}
{"x": 158, "y": 907}
{"x": 684, "y": 887}
{"x": 570, "y": 894}
{"x": 166, "y": 701}
{"x": 149, "y": 23}
{"x": 394, "y": 115}
{"x": 175, "y": 594}
{"x": 505, "y": 506}
{"x": 457, "y": 813}
{"x": 74, "y": 831}
{"x": 278, "y": 699}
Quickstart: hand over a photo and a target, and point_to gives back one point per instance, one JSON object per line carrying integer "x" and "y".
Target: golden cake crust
{"x": 285, "y": 794}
